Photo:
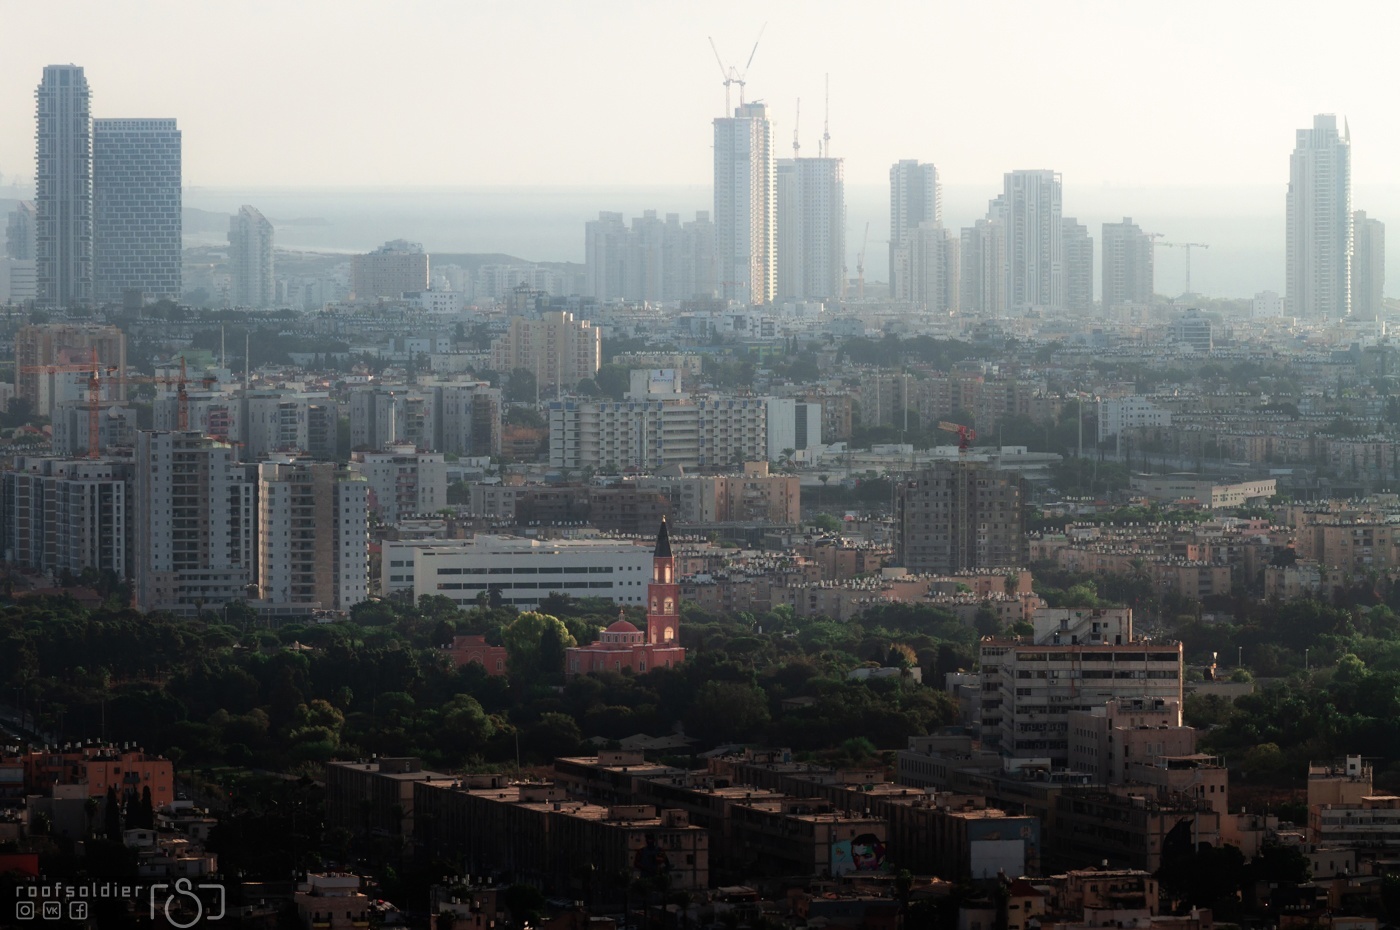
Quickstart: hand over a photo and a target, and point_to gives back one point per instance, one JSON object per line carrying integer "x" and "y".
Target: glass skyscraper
{"x": 136, "y": 216}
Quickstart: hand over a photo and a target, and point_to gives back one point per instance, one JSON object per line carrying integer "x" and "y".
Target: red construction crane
{"x": 966, "y": 435}
{"x": 182, "y": 421}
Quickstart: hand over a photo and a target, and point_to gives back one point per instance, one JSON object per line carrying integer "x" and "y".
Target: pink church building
{"x": 622, "y": 646}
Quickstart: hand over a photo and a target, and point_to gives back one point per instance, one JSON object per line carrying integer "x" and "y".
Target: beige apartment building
{"x": 557, "y": 349}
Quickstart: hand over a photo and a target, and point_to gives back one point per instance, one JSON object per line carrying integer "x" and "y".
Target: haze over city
{"x": 1180, "y": 114}
{"x": 491, "y": 466}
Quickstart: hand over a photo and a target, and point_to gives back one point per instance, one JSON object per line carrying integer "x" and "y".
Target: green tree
{"x": 521, "y": 386}
{"x": 613, "y": 381}
{"x": 728, "y": 711}
{"x": 553, "y": 735}
{"x": 535, "y": 645}
{"x": 465, "y": 724}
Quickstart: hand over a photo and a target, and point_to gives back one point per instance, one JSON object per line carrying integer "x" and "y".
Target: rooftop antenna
{"x": 826, "y": 122}
{"x": 733, "y": 75}
{"x": 796, "y": 121}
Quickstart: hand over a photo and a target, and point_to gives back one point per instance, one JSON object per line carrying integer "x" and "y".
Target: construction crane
{"x": 94, "y": 389}
{"x": 796, "y": 122}
{"x": 1188, "y": 246}
{"x": 181, "y": 384}
{"x": 860, "y": 263}
{"x": 733, "y": 75}
{"x": 966, "y": 435}
{"x": 824, "y": 150}
{"x": 961, "y": 542}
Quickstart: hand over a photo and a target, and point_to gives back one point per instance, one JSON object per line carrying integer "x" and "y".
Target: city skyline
{"x": 1171, "y": 126}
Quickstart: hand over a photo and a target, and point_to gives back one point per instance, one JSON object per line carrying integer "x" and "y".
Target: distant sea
{"x": 1244, "y": 226}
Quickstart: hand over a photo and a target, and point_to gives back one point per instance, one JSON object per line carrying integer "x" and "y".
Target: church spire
{"x": 663, "y": 542}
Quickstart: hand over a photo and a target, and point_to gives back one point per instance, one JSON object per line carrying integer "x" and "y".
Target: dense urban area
{"x": 707, "y": 583}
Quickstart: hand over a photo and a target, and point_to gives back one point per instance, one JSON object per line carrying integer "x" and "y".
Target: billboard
{"x": 1003, "y": 844}
{"x": 863, "y": 853}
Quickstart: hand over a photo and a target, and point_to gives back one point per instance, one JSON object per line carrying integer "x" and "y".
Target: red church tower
{"x": 663, "y": 594}
{"x": 622, "y": 646}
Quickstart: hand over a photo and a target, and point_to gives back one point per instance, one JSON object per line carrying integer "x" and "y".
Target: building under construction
{"x": 960, "y": 515}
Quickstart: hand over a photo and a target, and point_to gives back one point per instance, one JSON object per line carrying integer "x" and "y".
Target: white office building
{"x": 136, "y": 208}
{"x": 746, "y": 210}
{"x": 515, "y": 571}
{"x": 1319, "y": 221}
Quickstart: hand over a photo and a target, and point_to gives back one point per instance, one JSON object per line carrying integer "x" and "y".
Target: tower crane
{"x": 825, "y": 148}
{"x": 180, "y": 383}
{"x": 1188, "y": 246}
{"x": 966, "y": 435}
{"x": 733, "y": 75}
{"x": 796, "y": 122}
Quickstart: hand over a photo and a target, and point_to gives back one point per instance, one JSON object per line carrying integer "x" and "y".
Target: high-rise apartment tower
{"x": 63, "y": 187}
{"x": 1127, "y": 264}
{"x": 1367, "y": 266}
{"x": 811, "y": 235}
{"x": 250, "y": 260}
{"x": 1319, "y": 221}
{"x": 746, "y": 210}
{"x": 915, "y": 197}
{"x": 1035, "y": 274}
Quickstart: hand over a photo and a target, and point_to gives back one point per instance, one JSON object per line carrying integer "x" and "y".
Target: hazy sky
{"x": 592, "y": 92}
